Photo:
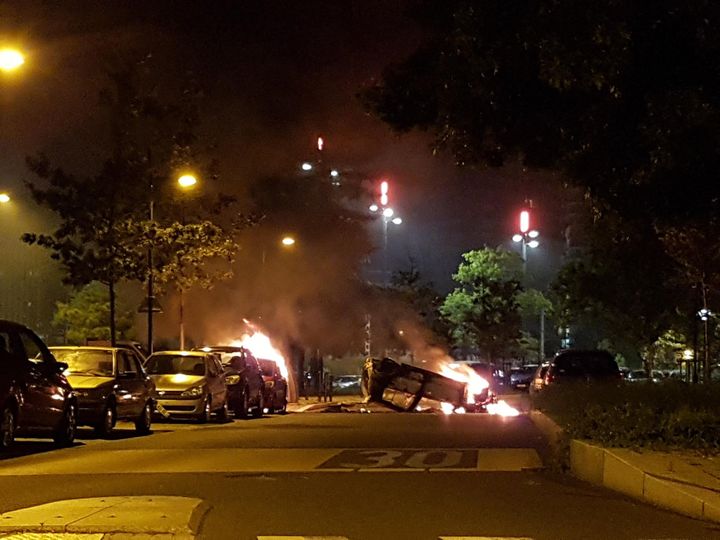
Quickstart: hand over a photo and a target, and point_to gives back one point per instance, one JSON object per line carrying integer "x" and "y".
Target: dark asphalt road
{"x": 261, "y": 478}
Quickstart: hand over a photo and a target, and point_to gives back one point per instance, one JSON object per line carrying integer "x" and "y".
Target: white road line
{"x": 302, "y": 538}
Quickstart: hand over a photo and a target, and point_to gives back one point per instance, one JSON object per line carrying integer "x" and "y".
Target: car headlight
{"x": 232, "y": 379}
{"x": 193, "y": 392}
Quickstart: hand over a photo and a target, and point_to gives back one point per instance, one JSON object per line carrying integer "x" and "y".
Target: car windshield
{"x": 267, "y": 367}
{"x": 167, "y": 364}
{"x": 86, "y": 362}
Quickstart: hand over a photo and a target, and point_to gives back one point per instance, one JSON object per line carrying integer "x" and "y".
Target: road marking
{"x": 302, "y": 538}
{"x": 76, "y": 461}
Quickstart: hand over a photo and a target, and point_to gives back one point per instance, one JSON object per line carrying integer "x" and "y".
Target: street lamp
{"x": 187, "y": 181}
{"x": 388, "y": 216}
{"x": 4, "y": 198}
{"x": 288, "y": 241}
{"x": 11, "y": 59}
{"x": 307, "y": 166}
{"x": 528, "y": 238}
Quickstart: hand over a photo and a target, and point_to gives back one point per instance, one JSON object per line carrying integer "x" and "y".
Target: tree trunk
{"x": 111, "y": 287}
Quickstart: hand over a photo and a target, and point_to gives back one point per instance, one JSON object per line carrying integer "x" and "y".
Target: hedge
{"x": 668, "y": 415}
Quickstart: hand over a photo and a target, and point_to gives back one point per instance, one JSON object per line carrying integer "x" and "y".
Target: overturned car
{"x": 402, "y": 387}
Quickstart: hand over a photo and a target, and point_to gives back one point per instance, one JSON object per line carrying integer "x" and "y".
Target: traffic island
{"x": 108, "y": 517}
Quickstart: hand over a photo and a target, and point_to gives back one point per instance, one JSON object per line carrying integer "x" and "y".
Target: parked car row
{"x": 49, "y": 391}
{"x": 575, "y": 366}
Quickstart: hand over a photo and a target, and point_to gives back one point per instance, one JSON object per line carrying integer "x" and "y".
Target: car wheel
{"x": 7, "y": 428}
{"x": 143, "y": 424}
{"x": 258, "y": 411}
{"x": 223, "y": 414}
{"x": 106, "y": 421}
{"x": 65, "y": 432}
{"x": 242, "y": 410}
{"x": 204, "y": 416}
{"x": 283, "y": 407}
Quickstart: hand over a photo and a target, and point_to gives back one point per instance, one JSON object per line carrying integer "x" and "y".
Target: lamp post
{"x": 388, "y": 217}
{"x": 528, "y": 238}
{"x": 186, "y": 183}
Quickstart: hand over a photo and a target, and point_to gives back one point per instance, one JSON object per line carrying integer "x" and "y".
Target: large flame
{"x": 475, "y": 385}
{"x": 260, "y": 345}
{"x": 464, "y": 373}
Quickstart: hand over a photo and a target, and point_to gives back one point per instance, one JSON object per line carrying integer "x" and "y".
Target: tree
{"x": 86, "y": 315}
{"x": 104, "y": 230}
{"x": 622, "y": 97}
{"x": 483, "y": 310}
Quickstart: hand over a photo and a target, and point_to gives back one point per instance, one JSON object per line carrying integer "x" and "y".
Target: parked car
{"x": 521, "y": 377}
{"x": 36, "y": 398}
{"x": 637, "y": 375}
{"x": 346, "y": 383}
{"x": 276, "y": 386}
{"x": 591, "y": 366}
{"x": 244, "y": 380}
{"x": 189, "y": 384}
{"x": 110, "y": 384}
{"x": 538, "y": 380}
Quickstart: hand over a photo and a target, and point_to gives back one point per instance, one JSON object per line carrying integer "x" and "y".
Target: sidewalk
{"x": 312, "y": 404}
{"x": 685, "y": 482}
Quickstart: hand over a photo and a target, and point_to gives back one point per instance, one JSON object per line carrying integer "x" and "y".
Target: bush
{"x": 670, "y": 415}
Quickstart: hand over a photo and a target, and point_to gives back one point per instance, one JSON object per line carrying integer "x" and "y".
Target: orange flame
{"x": 260, "y": 345}
{"x": 464, "y": 373}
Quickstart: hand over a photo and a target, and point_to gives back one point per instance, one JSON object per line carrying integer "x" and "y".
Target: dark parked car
{"x": 276, "y": 387}
{"x": 36, "y": 398}
{"x": 110, "y": 384}
{"x": 582, "y": 366}
{"x": 188, "y": 384}
{"x": 522, "y": 377}
{"x": 245, "y": 384}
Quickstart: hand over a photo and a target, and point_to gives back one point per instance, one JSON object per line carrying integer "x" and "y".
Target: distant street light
{"x": 11, "y": 59}
{"x": 528, "y": 239}
{"x": 288, "y": 241}
{"x": 306, "y": 166}
{"x": 387, "y": 217}
{"x": 4, "y": 198}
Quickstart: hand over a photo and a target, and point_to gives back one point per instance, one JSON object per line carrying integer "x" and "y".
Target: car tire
{"x": 143, "y": 424}
{"x": 258, "y": 411}
{"x": 223, "y": 414}
{"x": 106, "y": 422}
{"x": 283, "y": 408}
{"x": 65, "y": 433}
{"x": 242, "y": 410}
{"x": 7, "y": 427}
{"x": 206, "y": 413}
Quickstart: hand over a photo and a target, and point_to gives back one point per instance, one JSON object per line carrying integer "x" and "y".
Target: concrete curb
{"x": 610, "y": 468}
{"x": 556, "y": 454}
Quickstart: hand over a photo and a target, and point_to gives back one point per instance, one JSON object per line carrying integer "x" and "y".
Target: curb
{"x": 607, "y": 467}
{"x": 556, "y": 454}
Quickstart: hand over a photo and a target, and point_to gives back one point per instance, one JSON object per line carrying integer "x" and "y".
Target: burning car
{"x": 402, "y": 386}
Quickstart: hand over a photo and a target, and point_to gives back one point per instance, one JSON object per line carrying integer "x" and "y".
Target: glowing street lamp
{"x": 306, "y": 166}
{"x": 4, "y": 198}
{"x": 288, "y": 241}
{"x": 187, "y": 181}
{"x": 11, "y": 59}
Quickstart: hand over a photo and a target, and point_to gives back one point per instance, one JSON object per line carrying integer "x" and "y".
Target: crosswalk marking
{"x": 269, "y": 460}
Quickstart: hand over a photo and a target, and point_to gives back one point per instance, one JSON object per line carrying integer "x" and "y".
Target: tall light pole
{"x": 186, "y": 183}
{"x": 528, "y": 238}
{"x": 388, "y": 217}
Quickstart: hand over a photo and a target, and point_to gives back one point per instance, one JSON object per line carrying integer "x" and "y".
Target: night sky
{"x": 276, "y": 74}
